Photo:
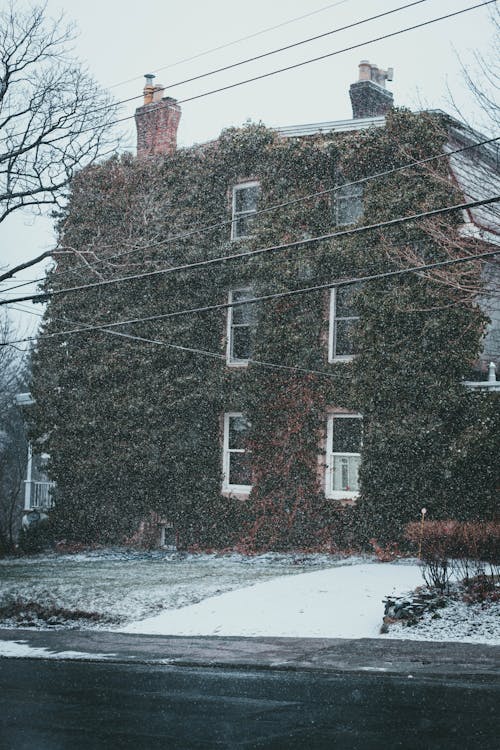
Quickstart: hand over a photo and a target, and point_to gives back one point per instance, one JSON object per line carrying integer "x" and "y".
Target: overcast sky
{"x": 121, "y": 40}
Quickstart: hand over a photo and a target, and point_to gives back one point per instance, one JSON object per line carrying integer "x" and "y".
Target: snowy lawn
{"x": 186, "y": 594}
{"x": 344, "y": 602}
{"x": 102, "y": 588}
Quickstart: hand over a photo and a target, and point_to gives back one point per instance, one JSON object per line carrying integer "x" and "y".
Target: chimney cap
{"x": 371, "y": 72}
{"x": 149, "y": 78}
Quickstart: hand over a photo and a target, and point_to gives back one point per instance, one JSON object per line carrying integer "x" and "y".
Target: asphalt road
{"x": 72, "y": 705}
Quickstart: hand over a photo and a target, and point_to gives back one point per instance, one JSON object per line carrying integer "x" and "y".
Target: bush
{"x": 37, "y": 537}
{"x": 470, "y": 550}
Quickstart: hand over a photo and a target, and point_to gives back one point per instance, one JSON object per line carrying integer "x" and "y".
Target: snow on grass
{"x": 209, "y": 594}
{"x": 119, "y": 586}
{"x": 343, "y": 602}
{"x": 21, "y": 650}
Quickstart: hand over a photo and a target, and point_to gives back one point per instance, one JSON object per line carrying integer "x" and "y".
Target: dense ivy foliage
{"x": 134, "y": 427}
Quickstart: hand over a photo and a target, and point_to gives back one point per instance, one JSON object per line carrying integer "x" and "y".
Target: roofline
{"x": 339, "y": 126}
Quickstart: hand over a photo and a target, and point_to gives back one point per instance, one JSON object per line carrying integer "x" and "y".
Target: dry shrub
{"x": 387, "y": 552}
{"x": 470, "y": 550}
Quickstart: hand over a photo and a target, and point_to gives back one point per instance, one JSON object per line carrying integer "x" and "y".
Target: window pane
{"x": 245, "y": 198}
{"x": 242, "y": 314}
{"x": 345, "y": 471}
{"x": 243, "y": 225}
{"x": 238, "y": 427}
{"x": 240, "y": 468}
{"x": 349, "y": 204}
{"x": 344, "y": 330}
{"x": 241, "y": 294}
{"x": 345, "y": 301}
{"x": 346, "y": 435}
{"x": 241, "y": 343}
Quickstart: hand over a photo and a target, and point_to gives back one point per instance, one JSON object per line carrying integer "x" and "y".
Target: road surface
{"x": 97, "y": 705}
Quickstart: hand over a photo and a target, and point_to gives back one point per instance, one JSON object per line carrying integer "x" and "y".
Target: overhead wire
{"x": 189, "y": 349}
{"x": 267, "y": 297}
{"x": 254, "y": 253}
{"x": 333, "y": 54}
{"x": 275, "y": 51}
{"x": 293, "y": 66}
{"x": 284, "y": 204}
{"x": 233, "y": 42}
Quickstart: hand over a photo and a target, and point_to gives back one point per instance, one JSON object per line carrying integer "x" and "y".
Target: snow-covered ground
{"x": 228, "y": 595}
{"x": 21, "y": 649}
{"x": 118, "y": 586}
{"x": 343, "y": 602}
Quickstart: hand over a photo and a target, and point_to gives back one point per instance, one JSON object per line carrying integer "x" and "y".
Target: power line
{"x": 235, "y": 41}
{"x": 259, "y": 57}
{"x": 254, "y": 253}
{"x": 283, "y": 49}
{"x": 188, "y": 349}
{"x": 284, "y": 204}
{"x": 294, "y": 66}
{"x": 267, "y": 297}
{"x": 252, "y": 59}
{"x": 337, "y": 52}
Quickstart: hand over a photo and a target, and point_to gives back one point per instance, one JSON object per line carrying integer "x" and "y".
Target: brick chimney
{"x": 369, "y": 97}
{"x": 156, "y": 121}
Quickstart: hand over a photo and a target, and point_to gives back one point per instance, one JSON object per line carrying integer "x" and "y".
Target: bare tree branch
{"x": 54, "y": 119}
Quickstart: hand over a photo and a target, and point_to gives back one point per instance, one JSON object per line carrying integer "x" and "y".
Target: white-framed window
{"x": 245, "y": 197}
{"x": 344, "y": 433}
{"x": 348, "y": 204}
{"x": 240, "y": 327}
{"x": 236, "y": 459}
{"x": 343, "y": 318}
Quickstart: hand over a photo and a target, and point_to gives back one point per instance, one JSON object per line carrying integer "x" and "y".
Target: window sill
{"x": 339, "y": 359}
{"x": 346, "y": 495}
{"x": 239, "y": 492}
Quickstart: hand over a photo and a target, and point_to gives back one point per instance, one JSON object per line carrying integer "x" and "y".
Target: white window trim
{"x": 234, "y": 215}
{"x": 243, "y": 489}
{"x": 332, "y": 357}
{"x": 229, "y": 331}
{"x": 330, "y": 493}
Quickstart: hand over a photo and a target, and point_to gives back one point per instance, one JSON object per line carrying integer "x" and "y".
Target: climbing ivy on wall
{"x": 133, "y": 427}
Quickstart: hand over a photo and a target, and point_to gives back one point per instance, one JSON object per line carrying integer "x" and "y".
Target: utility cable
{"x": 332, "y": 54}
{"x": 189, "y": 349}
{"x": 254, "y": 253}
{"x": 294, "y": 66}
{"x": 267, "y": 297}
{"x": 258, "y": 57}
{"x": 219, "y": 225}
{"x": 234, "y": 42}
{"x": 281, "y": 49}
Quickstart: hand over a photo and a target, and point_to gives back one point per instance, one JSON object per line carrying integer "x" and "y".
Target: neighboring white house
{"x": 37, "y": 488}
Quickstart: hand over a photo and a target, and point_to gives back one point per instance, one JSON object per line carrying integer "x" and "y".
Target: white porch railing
{"x": 38, "y": 494}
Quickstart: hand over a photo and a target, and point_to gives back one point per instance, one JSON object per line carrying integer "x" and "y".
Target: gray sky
{"x": 120, "y": 40}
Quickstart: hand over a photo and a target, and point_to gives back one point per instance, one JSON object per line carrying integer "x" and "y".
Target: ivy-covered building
{"x": 217, "y": 376}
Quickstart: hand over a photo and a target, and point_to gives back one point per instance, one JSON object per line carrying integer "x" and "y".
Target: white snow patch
{"x": 468, "y": 623}
{"x": 343, "y": 602}
{"x": 20, "y": 649}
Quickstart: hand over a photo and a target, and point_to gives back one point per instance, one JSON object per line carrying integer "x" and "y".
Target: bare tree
{"x": 482, "y": 78}
{"x": 13, "y": 458}
{"x": 13, "y": 445}
{"x": 53, "y": 117}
